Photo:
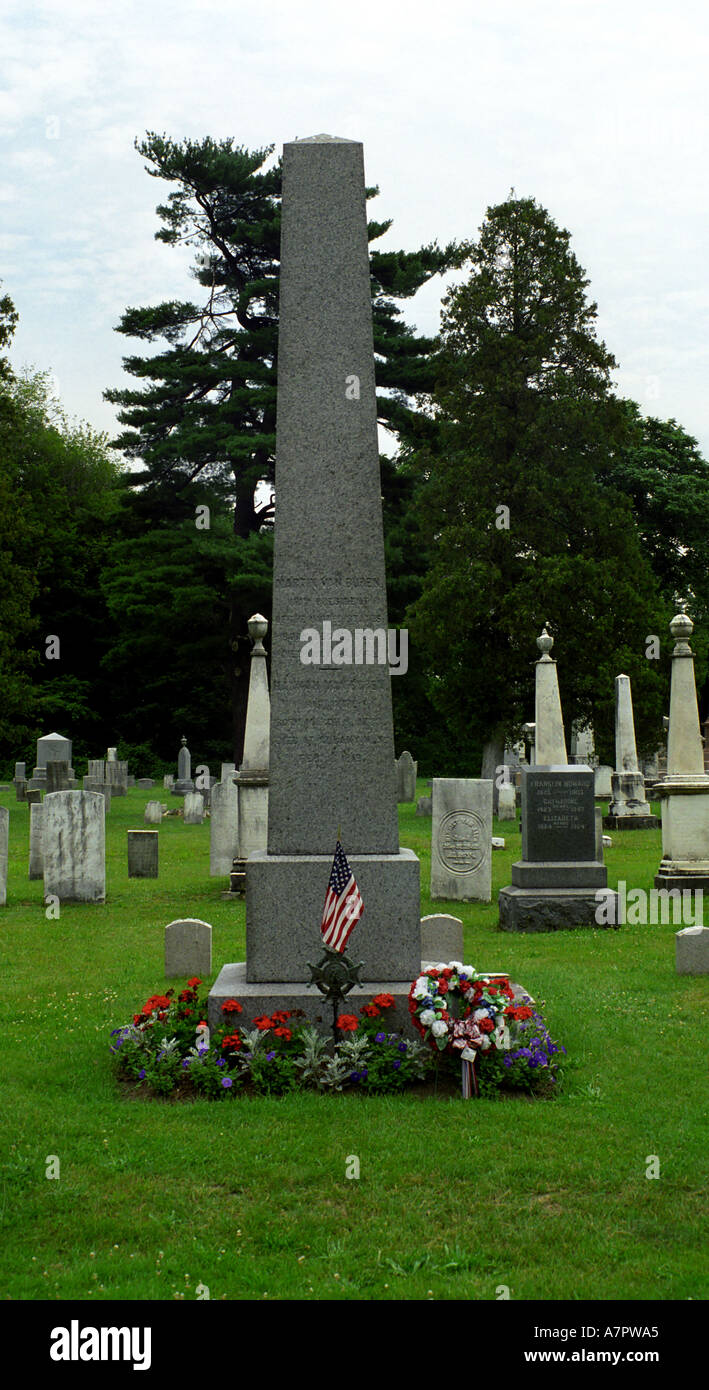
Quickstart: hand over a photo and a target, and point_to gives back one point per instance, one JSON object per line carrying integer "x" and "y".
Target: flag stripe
{"x": 343, "y": 903}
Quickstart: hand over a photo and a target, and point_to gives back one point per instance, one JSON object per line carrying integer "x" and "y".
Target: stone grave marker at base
{"x": 406, "y": 770}
{"x": 143, "y": 853}
{"x": 424, "y": 806}
{"x": 153, "y": 813}
{"x": 223, "y": 828}
{"x": 36, "y": 863}
{"x": 145, "y": 784}
{"x": 461, "y": 839}
{"x": 692, "y": 951}
{"x": 194, "y": 808}
{"x": 74, "y": 846}
{"x": 4, "y": 845}
{"x": 559, "y": 883}
{"x": 507, "y": 802}
{"x": 441, "y": 938}
{"x": 188, "y": 948}
{"x": 331, "y": 731}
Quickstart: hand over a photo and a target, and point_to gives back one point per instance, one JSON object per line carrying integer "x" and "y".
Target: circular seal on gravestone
{"x": 461, "y": 842}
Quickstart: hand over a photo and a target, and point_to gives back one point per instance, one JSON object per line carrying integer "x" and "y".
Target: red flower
{"x": 283, "y": 1033}
{"x": 370, "y": 1010}
{"x": 518, "y": 1011}
{"x": 231, "y": 1006}
{"x": 433, "y": 973}
{"x": 185, "y": 1013}
{"x": 347, "y": 1023}
{"x": 194, "y": 982}
{"x": 445, "y": 1015}
{"x": 232, "y": 1041}
{"x": 281, "y": 1017}
{"x": 443, "y": 986}
{"x": 486, "y": 1025}
{"x": 137, "y": 1018}
{"x": 202, "y": 1023}
{"x": 263, "y": 1023}
{"x": 446, "y": 974}
{"x": 384, "y": 1001}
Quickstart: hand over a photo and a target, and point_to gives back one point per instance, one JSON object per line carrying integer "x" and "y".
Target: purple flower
{"x": 227, "y": 1081}
{"x": 403, "y": 1047}
{"x": 396, "y": 1063}
{"x": 270, "y": 1056}
{"x": 221, "y": 1062}
{"x": 379, "y": 1037}
{"x": 186, "y": 1062}
{"x": 354, "y": 1076}
{"x": 507, "y": 1060}
{"x": 141, "y": 1074}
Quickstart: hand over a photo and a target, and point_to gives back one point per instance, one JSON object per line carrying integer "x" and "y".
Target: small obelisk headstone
{"x": 684, "y": 789}
{"x": 629, "y": 809}
{"x": 184, "y": 781}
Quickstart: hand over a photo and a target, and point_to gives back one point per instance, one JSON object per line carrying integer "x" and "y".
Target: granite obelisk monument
{"x": 331, "y": 743}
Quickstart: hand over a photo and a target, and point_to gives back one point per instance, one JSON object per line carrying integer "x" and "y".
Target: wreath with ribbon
{"x": 460, "y": 1011}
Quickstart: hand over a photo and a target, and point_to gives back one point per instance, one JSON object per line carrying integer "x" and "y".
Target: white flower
{"x": 427, "y": 1017}
{"x": 439, "y": 1028}
{"x": 441, "y": 966}
{"x": 422, "y": 987}
{"x": 457, "y": 965}
{"x": 480, "y": 1013}
{"x": 485, "y": 1042}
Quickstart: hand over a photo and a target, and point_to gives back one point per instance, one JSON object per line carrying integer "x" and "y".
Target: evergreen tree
{"x": 521, "y": 529}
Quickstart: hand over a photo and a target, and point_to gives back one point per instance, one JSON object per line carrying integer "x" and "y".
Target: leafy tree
{"x": 204, "y": 413}
{"x": 519, "y": 528}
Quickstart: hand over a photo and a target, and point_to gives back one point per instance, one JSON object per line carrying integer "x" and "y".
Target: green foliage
{"x": 526, "y": 420}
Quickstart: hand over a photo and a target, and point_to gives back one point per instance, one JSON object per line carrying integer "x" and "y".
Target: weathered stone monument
{"x": 692, "y": 951}
{"x": 406, "y": 770}
{"x": 51, "y": 748}
{"x": 629, "y": 809}
{"x": 36, "y": 862}
{"x": 684, "y": 788}
{"x": 252, "y": 777}
{"x": 331, "y": 744}
{"x": 461, "y": 832}
{"x": 117, "y": 776}
{"x": 194, "y": 808}
{"x": 188, "y": 948}
{"x": 57, "y": 776}
{"x": 4, "y": 849}
{"x": 143, "y": 853}
{"x": 152, "y": 814}
{"x": 74, "y": 846}
{"x": 184, "y": 781}
{"x": 224, "y": 828}
{"x": 559, "y": 882}
{"x": 507, "y": 801}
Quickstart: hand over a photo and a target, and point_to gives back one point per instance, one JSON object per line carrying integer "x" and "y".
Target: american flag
{"x": 343, "y": 904}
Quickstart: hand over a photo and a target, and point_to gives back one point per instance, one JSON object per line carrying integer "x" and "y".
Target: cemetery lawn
{"x": 250, "y": 1197}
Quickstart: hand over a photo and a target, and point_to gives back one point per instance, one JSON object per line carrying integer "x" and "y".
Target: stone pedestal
{"x": 331, "y": 734}
{"x": 559, "y": 883}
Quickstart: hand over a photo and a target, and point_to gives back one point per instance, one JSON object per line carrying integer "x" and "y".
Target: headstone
{"x": 602, "y": 785}
{"x": 560, "y": 882}
{"x": 507, "y": 801}
{"x": 184, "y": 781}
{"x": 153, "y": 813}
{"x": 130, "y": 780}
{"x": 97, "y": 769}
{"x": 194, "y": 808}
{"x": 441, "y": 938}
{"x": 20, "y": 773}
{"x": 74, "y": 846}
{"x": 111, "y": 755}
{"x": 58, "y": 776}
{"x": 53, "y": 748}
{"x": 143, "y": 853}
{"x": 188, "y": 948}
{"x": 168, "y": 781}
{"x": 550, "y": 741}
{"x": 406, "y": 770}
{"x": 582, "y": 745}
{"x": 103, "y": 789}
{"x": 684, "y": 789}
{"x": 145, "y": 784}
{"x": 424, "y": 806}
{"x": 4, "y": 848}
{"x": 461, "y": 849}
{"x": 252, "y": 777}
{"x": 628, "y": 809}
{"x": 223, "y": 828}
{"x": 117, "y": 776}
{"x": 331, "y": 741}
{"x": 36, "y": 862}
{"x": 33, "y": 796}
{"x": 227, "y": 770}
{"x": 692, "y": 951}
{"x": 20, "y": 791}
{"x": 529, "y": 732}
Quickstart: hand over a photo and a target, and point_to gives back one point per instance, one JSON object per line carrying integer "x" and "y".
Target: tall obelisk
{"x": 332, "y": 746}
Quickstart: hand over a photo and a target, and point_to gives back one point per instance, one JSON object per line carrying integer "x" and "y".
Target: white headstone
{"x": 441, "y": 937}
{"x": 223, "y": 828}
{"x": 36, "y": 864}
{"x": 74, "y": 846}
{"x": 153, "y": 813}
{"x": 507, "y": 803}
{"x": 692, "y": 951}
{"x": 461, "y": 840}
{"x": 188, "y": 948}
{"x": 194, "y": 808}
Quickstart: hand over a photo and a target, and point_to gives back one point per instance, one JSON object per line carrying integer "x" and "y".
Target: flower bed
{"x": 168, "y": 1050}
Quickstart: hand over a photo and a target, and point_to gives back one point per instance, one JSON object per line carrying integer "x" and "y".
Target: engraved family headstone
{"x": 684, "y": 788}
{"x": 629, "y": 809}
{"x": 74, "y": 846}
{"x": 143, "y": 853}
{"x": 461, "y": 848}
{"x": 331, "y": 744}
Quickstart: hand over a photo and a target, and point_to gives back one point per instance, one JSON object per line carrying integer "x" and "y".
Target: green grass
{"x": 249, "y": 1197}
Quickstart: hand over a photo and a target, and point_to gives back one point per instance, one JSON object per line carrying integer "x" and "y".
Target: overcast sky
{"x": 598, "y": 110}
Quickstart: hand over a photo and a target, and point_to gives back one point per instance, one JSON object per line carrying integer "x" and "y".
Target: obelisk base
{"x": 285, "y": 895}
{"x": 556, "y": 909}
